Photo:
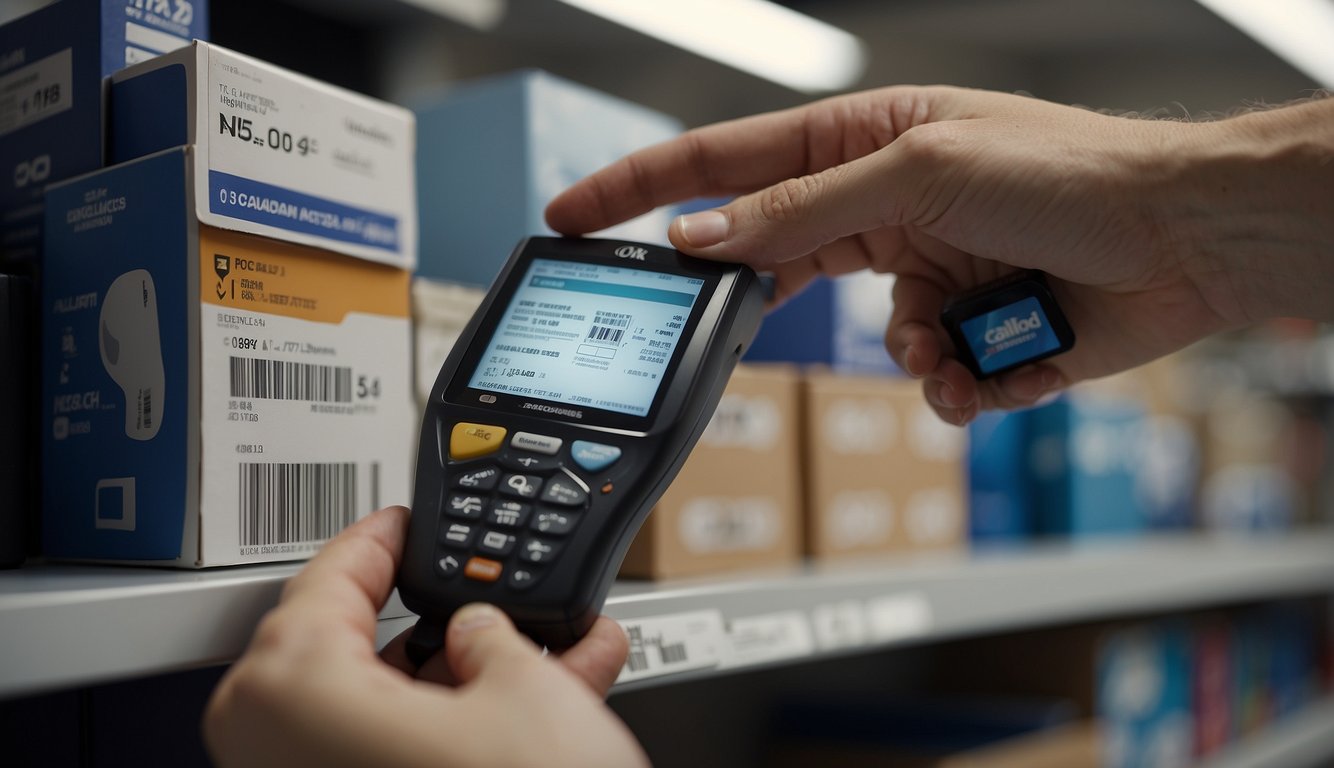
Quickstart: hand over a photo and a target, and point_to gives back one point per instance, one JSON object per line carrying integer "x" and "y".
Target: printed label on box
{"x": 288, "y": 153}
{"x": 712, "y": 524}
{"x": 300, "y": 416}
{"x": 35, "y": 92}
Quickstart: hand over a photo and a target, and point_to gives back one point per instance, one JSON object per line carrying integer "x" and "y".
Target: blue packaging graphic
{"x": 1085, "y": 456}
{"x": 1000, "y": 501}
{"x": 1144, "y": 697}
{"x": 1009, "y": 335}
{"x": 52, "y": 66}
{"x": 114, "y": 362}
{"x": 839, "y": 323}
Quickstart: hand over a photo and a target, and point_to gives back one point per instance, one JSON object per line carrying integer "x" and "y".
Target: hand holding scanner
{"x": 563, "y": 412}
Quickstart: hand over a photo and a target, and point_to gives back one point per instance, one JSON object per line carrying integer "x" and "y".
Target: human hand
{"x": 1152, "y": 230}
{"x": 311, "y": 689}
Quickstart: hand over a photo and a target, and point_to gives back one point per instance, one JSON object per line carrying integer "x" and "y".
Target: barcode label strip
{"x": 290, "y": 503}
{"x": 286, "y": 380}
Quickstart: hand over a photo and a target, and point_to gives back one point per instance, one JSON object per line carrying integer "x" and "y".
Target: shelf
{"x": 1302, "y": 740}
{"x": 66, "y": 626}
{"x": 823, "y": 610}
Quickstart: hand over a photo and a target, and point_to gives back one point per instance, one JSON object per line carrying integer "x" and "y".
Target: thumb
{"x": 798, "y": 216}
{"x": 481, "y": 637}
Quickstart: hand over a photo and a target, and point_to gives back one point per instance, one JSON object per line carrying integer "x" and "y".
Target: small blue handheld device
{"x": 1006, "y": 323}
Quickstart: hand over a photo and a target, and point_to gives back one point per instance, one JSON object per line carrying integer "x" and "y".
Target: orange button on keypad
{"x": 483, "y": 569}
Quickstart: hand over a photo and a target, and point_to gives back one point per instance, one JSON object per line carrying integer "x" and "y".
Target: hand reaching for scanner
{"x": 1155, "y": 233}
{"x": 311, "y": 689}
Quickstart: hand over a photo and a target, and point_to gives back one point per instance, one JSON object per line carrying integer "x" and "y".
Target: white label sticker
{"x": 839, "y": 625}
{"x": 302, "y": 427}
{"x": 319, "y": 165}
{"x": 771, "y": 637}
{"x": 896, "y": 617}
{"x": 36, "y": 91}
{"x": 666, "y": 645}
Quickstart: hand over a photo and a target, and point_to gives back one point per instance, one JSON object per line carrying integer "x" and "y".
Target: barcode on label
{"x": 285, "y": 380}
{"x": 148, "y": 409}
{"x": 289, "y": 503}
{"x": 665, "y": 645}
{"x": 608, "y": 327}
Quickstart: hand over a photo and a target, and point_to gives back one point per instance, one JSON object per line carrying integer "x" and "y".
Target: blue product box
{"x": 1084, "y": 455}
{"x": 53, "y": 63}
{"x": 836, "y": 322}
{"x": 1144, "y": 683}
{"x": 498, "y": 150}
{"x": 1000, "y": 503}
{"x": 209, "y": 397}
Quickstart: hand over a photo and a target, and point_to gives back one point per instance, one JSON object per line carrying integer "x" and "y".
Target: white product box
{"x": 210, "y": 397}
{"x": 278, "y": 153}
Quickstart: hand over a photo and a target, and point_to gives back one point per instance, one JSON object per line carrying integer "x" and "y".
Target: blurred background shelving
{"x": 83, "y": 645}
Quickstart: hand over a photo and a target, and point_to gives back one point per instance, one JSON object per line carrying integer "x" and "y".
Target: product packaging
{"x": 496, "y": 151}
{"x": 210, "y": 397}
{"x": 53, "y": 63}
{"x": 883, "y": 473}
{"x": 1085, "y": 453}
{"x": 277, "y": 153}
{"x": 1000, "y": 499}
{"x": 834, "y": 322}
{"x": 737, "y": 502}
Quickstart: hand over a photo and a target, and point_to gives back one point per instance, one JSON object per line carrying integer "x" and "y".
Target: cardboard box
{"x": 52, "y": 65}
{"x": 501, "y": 148}
{"x": 210, "y": 397}
{"x": 279, "y": 154}
{"x": 883, "y": 473}
{"x": 834, "y": 322}
{"x": 440, "y": 312}
{"x": 737, "y": 502}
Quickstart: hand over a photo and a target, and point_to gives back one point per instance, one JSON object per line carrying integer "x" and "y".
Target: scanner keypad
{"x": 508, "y": 504}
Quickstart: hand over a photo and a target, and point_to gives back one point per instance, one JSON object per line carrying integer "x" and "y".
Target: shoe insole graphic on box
{"x": 131, "y": 350}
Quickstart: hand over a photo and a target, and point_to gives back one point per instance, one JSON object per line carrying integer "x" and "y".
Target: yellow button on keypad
{"x": 468, "y": 441}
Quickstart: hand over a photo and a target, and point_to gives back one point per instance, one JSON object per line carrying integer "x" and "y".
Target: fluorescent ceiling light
{"x": 755, "y": 36}
{"x": 484, "y": 15}
{"x": 1299, "y": 31}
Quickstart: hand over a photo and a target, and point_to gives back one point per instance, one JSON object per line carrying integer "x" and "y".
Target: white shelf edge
{"x": 67, "y": 626}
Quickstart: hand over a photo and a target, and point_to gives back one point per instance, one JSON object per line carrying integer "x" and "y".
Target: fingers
{"x": 481, "y": 637}
{"x": 734, "y": 156}
{"x": 351, "y": 578}
{"x": 598, "y": 658}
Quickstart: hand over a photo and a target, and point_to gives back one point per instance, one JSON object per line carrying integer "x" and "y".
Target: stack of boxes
{"x": 226, "y": 349}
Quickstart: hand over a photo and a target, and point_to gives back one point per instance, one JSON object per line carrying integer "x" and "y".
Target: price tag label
{"x": 771, "y": 637}
{"x": 896, "y": 617}
{"x": 666, "y": 645}
{"x": 839, "y": 625}
{"x": 36, "y": 91}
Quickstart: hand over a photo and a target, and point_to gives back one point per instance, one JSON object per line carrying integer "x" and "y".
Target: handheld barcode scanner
{"x": 563, "y": 412}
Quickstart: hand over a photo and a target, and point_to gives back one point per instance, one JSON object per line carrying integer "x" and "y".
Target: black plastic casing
{"x": 559, "y": 609}
{"x": 995, "y": 294}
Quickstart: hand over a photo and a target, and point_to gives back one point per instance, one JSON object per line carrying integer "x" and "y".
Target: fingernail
{"x": 1050, "y": 379}
{"x": 911, "y": 361}
{"x": 950, "y": 396}
{"x": 703, "y": 229}
{"x": 475, "y": 616}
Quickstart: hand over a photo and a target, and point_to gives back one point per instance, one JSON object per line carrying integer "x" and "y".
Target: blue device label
{"x": 1009, "y": 335}
{"x": 262, "y": 203}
